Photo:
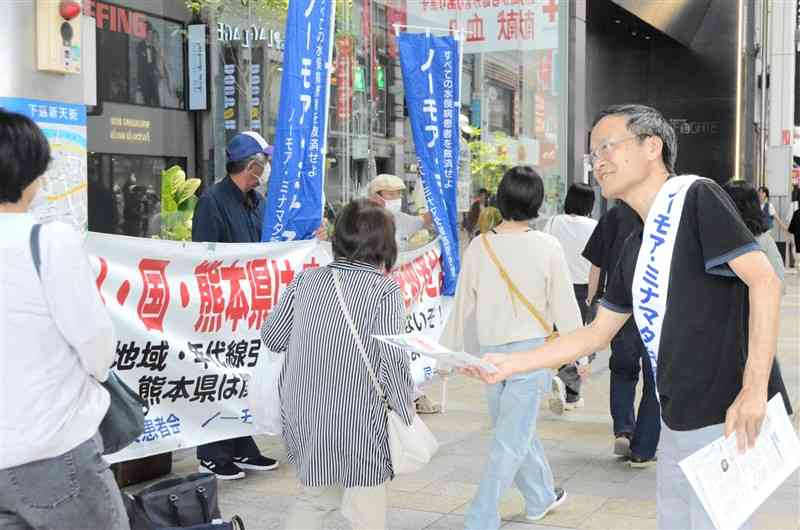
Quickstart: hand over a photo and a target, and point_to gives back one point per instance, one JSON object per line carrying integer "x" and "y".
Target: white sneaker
{"x": 572, "y": 405}
{"x": 561, "y": 496}
{"x": 558, "y": 397}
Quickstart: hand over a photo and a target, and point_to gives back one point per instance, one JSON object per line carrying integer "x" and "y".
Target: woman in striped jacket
{"x": 334, "y": 421}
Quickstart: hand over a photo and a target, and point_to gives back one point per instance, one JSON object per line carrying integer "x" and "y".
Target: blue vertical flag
{"x": 294, "y": 197}
{"x": 431, "y": 81}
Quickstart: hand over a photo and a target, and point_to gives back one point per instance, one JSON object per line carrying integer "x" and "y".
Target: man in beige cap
{"x": 387, "y": 190}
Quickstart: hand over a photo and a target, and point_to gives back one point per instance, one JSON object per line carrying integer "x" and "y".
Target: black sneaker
{"x": 226, "y": 471}
{"x": 256, "y": 463}
{"x": 639, "y": 462}
{"x": 561, "y": 496}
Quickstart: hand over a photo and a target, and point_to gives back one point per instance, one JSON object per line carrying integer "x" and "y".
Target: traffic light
{"x": 380, "y": 78}
{"x": 359, "y": 83}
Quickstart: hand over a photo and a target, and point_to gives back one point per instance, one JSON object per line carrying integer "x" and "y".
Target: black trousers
{"x": 223, "y": 451}
{"x": 569, "y": 373}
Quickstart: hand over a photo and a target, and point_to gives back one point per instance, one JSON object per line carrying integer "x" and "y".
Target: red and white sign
{"x": 344, "y": 76}
{"x": 188, "y": 318}
{"x": 494, "y": 25}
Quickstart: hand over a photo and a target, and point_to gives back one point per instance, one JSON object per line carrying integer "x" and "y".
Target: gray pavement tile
{"x": 578, "y": 485}
{"x": 529, "y": 526}
{"x": 447, "y": 522}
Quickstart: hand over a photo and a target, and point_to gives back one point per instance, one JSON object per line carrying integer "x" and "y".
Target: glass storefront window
{"x": 141, "y": 57}
{"x": 125, "y": 193}
{"x": 511, "y": 89}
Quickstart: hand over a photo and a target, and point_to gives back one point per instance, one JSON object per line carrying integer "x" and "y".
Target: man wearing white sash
{"x": 703, "y": 294}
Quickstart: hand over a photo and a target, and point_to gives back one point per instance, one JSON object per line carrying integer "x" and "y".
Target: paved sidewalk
{"x": 603, "y": 492}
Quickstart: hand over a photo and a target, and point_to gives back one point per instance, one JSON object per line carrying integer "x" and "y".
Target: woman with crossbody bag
{"x": 517, "y": 282}
{"x": 56, "y": 347}
{"x": 333, "y": 400}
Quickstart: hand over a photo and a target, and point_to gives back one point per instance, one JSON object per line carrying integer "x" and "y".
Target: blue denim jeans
{"x": 73, "y": 490}
{"x": 517, "y": 454}
{"x": 628, "y": 358}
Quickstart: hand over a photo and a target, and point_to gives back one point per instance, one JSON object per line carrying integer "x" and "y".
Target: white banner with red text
{"x": 188, "y": 318}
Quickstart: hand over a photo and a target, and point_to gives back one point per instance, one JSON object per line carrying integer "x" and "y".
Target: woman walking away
{"x": 746, "y": 199}
{"x": 334, "y": 419}
{"x": 517, "y": 281}
{"x": 573, "y": 229}
{"x": 56, "y": 346}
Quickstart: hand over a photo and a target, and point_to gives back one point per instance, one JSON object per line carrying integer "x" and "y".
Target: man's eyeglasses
{"x": 592, "y": 158}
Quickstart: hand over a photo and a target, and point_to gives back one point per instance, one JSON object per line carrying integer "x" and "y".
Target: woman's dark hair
{"x": 365, "y": 232}
{"x": 764, "y": 190}
{"x": 520, "y": 194}
{"x": 24, "y": 155}
{"x": 580, "y": 200}
{"x": 745, "y": 198}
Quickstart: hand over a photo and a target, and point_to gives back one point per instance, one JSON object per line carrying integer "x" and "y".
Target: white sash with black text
{"x": 651, "y": 278}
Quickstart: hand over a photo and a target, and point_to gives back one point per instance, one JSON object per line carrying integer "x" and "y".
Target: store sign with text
{"x": 493, "y": 25}
{"x": 250, "y": 35}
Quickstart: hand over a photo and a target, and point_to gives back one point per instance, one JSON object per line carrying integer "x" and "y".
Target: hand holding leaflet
{"x": 429, "y": 347}
{"x": 731, "y": 486}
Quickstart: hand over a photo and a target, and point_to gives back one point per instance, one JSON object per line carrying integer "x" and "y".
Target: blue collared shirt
{"x": 225, "y": 214}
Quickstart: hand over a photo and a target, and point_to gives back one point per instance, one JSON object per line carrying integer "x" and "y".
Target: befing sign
{"x": 249, "y": 35}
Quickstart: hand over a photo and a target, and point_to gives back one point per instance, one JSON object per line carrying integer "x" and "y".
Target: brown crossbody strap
{"x": 513, "y": 288}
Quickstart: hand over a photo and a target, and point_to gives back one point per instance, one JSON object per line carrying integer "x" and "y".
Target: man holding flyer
{"x": 703, "y": 294}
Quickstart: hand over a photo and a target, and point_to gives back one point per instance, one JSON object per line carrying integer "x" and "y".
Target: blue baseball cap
{"x": 246, "y": 144}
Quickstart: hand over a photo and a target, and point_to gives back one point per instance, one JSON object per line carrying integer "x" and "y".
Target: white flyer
{"x": 732, "y": 486}
{"x": 421, "y": 344}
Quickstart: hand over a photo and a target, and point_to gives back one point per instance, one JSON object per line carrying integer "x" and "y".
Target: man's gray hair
{"x": 647, "y": 121}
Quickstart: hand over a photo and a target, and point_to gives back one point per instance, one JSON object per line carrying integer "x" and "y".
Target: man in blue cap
{"x": 231, "y": 211}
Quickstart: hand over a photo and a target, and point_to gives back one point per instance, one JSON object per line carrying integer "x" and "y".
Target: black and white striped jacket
{"x": 334, "y": 422}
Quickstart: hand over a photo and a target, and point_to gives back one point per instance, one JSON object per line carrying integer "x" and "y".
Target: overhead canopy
{"x": 680, "y": 19}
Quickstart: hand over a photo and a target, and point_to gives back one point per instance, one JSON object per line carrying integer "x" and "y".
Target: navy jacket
{"x": 226, "y": 215}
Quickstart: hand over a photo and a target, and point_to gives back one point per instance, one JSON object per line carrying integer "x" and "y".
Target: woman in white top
{"x": 535, "y": 264}
{"x": 573, "y": 229}
{"x": 56, "y": 345}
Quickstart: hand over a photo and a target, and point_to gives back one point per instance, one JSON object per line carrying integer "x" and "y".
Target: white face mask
{"x": 393, "y": 205}
{"x": 264, "y": 177}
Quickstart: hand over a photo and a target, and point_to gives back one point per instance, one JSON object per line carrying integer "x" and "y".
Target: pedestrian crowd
{"x": 543, "y": 298}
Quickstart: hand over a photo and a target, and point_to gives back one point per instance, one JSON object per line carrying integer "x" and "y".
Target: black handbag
{"x": 174, "y": 503}
{"x": 124, "y": 420}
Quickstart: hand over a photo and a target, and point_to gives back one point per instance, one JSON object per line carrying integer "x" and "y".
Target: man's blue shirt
{"x": 225, "y": 214}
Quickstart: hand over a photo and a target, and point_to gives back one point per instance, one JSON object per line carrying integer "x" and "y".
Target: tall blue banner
{"x": 431, "y": 81}
{"x": 294, "y": 196}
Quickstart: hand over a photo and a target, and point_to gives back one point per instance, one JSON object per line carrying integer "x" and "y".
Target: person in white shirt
{"x": 56, "y": 346}
{"x": 573, "y": 229}
{"x": 387, "y": 190}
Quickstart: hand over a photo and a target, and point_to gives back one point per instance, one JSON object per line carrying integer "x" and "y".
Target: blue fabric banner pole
{"x": 431, "y": 74}
{"x": 296, "y": 188}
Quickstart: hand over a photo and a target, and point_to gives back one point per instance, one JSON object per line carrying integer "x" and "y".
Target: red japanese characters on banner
{"x": 420, "y": 278}
{"x": 192, "y": 360}
{"x": 344, "y": 76}
{"x": 154, "y": 301}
